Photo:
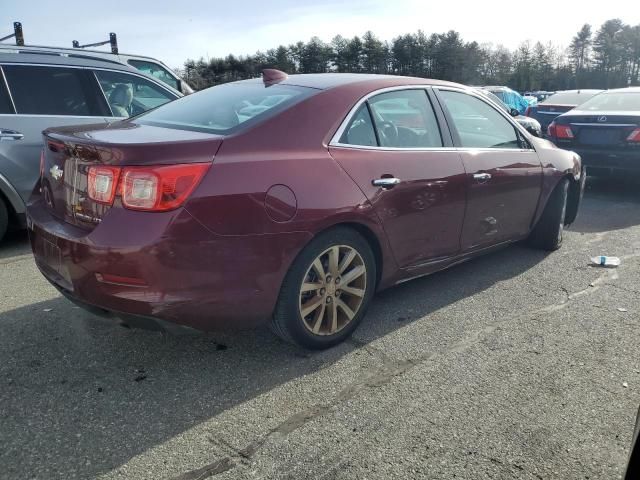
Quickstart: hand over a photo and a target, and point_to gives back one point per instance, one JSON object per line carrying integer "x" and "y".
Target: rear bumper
{"x": 190, "y": 276}
{"x": 609, "y": 159}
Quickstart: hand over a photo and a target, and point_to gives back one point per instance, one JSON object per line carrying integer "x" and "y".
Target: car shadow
{"x": 78, "y": 393}
{"x": 609, "y": 203}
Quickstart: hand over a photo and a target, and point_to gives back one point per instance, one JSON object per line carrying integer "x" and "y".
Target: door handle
{"x": 482, "y": 177}
{"x": 385, "y": 182}
{"x": 9, "y": 135}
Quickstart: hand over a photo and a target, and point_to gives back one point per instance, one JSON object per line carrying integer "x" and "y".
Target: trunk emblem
{"x": 602, "y": 119}
{"x": 56, "y": 172}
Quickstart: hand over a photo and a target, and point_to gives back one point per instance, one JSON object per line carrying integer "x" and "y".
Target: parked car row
{"x": 39, "y": 90}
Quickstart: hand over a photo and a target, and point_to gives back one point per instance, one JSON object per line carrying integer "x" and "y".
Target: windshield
{"x": 614, "y": 101}
{"x": 224, "y": 108}
{"x": 570, "y": 98}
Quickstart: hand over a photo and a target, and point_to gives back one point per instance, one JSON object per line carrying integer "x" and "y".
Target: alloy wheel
{"x": 333, "y": 289}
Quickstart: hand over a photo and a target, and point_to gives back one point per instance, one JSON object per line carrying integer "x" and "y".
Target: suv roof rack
{"x": 113, "y": 41}
{"x": 17, "y": 33}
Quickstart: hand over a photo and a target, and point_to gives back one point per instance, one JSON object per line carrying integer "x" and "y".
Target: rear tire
{"x": 327, "y": 290}
{"x": 549, "y": 231}
{"x": 4, "y": 219}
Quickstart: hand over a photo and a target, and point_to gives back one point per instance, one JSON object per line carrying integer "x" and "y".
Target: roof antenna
{"x": 271, "y": 76}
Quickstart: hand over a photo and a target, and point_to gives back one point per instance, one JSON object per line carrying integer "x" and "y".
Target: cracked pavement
{"x": 513, "y": 365}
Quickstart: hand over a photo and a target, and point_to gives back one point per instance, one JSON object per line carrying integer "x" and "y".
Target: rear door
{"x": 42, "y": 97}
{"x": 393, "y": 148}
{"x": 503, "y": 172}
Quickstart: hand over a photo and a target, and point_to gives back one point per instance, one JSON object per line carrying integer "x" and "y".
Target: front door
{"x": 504, "y": 173}
{"x": 393, "y": 149}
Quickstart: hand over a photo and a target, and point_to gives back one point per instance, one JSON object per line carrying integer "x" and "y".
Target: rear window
{"x": 224, "y": 108}
{"x": 52, "y": 90}
{"x": 569, "y": 98}
{"x": 618, "y": 101}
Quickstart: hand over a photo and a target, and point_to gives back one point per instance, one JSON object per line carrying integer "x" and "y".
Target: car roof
{"x": 578, "y": 91}
{"x": 57, "y": 59}
{"x": 326, "y": 81}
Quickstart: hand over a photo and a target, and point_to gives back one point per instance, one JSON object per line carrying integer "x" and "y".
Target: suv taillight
{"x": 154, "y": 188}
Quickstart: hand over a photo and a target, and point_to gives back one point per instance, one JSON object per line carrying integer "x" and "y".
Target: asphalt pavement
{"x": 520, "y": 364}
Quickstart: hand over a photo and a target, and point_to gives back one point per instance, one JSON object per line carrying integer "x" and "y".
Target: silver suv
{"x": 38, "y": 91}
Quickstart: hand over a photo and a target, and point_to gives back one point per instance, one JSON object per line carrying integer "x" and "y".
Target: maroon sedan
{"x": 290, "y": 199}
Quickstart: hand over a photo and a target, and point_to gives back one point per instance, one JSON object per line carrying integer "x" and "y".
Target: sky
{"x": 174, "y": 31}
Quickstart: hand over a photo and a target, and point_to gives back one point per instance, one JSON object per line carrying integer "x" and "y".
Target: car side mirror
{"x": 533, "y": 130}
{"x": 514, "y": 112}
{"x": 185, "y": 88}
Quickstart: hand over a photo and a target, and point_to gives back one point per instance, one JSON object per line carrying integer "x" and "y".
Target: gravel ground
{"x": 520, "y": 364}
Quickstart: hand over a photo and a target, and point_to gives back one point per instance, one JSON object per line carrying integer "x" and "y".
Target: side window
{"x": 52, "y": 90}
{"x": 5, "y": 99}
{"x": 479, "y": 125}
{"x": 360, "y": 129}
{"x": 405, "y": 119}
{"x": 130, "y": 95}
{"x": 157, "y": 71}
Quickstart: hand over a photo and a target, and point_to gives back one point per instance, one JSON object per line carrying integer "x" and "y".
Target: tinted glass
{"x": 360, "y": 129}
{"x": 614, "y": 102}
{"x": 479, "y": 125}
{"x": 157, "y": 71}
{"x": 51, "y": 90}
{"x": 569, "y": 98}
{"x": 225, "y": 108}
{"x": 5, "y": 100}
{"x": 405, "y": 119}
{"x": 130, "y": 95}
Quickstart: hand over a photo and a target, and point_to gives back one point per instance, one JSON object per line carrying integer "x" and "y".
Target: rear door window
{"x": 157, "y": 71}
{"x": 130, "y": 95}
{"x": 405, "y": 119}
{"x": 5, "y": 99}
{"x": 41, "y": 90}
{"x": 360, "y": 129}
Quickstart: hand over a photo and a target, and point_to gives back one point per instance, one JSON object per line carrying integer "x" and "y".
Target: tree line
{"x": 606, "y": 58}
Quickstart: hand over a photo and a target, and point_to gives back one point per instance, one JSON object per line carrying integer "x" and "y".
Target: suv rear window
{"x": 224, "y": 108}
{"x": 52, "y": 90}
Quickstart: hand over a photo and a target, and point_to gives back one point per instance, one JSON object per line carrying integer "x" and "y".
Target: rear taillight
{"x": 559, "y": 131}
{"x": 527, "y": 112}
{"x": 102, "y": 183}
{"x": 160, "y": 188}
{"x": 634, "y": 136}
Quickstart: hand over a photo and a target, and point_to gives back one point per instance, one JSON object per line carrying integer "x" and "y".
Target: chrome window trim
{"x": 6, "y": 84}
{"x": 335, "y": 140}
{"x": 133, "y": 72}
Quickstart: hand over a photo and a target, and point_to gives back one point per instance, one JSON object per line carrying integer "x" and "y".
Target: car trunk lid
{"x": 605, "y": 130}
{"x": 69, "y": 153}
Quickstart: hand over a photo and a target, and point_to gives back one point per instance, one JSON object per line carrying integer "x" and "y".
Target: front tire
{"x": 327, "y": 290}
{"x": 549, "y": 231}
